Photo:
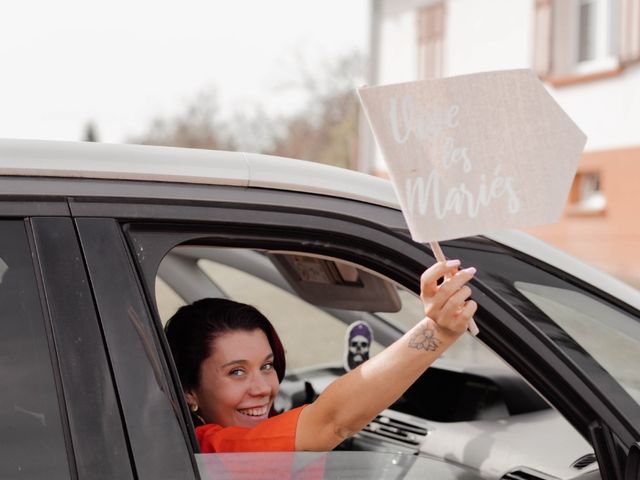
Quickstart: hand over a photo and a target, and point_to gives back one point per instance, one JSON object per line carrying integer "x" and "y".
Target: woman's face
{"x": 238, "y": 382}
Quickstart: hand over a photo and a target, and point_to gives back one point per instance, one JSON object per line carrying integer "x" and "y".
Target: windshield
{"x": 339, "y": 464}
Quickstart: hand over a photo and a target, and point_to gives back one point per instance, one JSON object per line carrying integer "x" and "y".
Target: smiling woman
{"x": 231, "y": 362}
{"x": 218, "y": 346}
{"x": 244, "y": 388}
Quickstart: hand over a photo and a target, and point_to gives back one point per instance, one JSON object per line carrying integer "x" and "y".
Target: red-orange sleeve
{"x": 276, "y": 434}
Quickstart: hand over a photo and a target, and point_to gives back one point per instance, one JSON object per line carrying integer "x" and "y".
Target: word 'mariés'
{"x": 421, "y": 193}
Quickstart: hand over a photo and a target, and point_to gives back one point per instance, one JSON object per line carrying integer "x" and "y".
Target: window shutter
{"x": 543, "y": 29}
{"x": 629, "y": 31}
{"x": 430, "y": 40}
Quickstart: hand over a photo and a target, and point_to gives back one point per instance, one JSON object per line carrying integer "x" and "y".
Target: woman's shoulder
{"x": 276, "y": 434}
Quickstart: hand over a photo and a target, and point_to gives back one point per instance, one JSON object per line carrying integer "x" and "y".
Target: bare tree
{"x": 324, "y": 129}
{"x": 198, "y": 126}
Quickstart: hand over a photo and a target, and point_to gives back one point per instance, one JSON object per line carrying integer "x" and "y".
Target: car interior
{"x": 470, "y": 407}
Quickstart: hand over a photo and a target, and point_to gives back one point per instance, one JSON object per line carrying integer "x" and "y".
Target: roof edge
{"x": 188, "y": 165}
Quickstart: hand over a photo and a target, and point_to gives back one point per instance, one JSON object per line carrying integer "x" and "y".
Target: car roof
{"x": 188, "y": 165}
{"x": 41, "y": 158}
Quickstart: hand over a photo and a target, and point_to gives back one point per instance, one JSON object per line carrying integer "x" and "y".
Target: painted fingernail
{"x": 470, "y": 270}
{"x": 453, "y": 263}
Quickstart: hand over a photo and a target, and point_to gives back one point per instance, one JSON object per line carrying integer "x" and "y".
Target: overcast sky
{"x": 121, "y": 63}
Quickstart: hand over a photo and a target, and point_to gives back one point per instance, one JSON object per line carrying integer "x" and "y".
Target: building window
{"x": 576, "y": 38}
{"x": 594, "y": 33}
{"x": 430, "y": 31}
{"x": 586, "y": 196}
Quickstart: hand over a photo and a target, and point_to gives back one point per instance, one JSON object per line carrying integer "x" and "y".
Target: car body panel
{"x": 181, "y": 165}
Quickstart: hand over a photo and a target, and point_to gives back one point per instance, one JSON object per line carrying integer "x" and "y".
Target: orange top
{"x": 276, "y": 434}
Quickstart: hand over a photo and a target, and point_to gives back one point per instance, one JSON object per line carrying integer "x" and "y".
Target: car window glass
{"x": 607, "y": 334}
{"x": 31, "y": 434}
{"x": 337, "y": 464}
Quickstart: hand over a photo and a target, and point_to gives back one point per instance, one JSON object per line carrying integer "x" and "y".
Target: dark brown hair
{"x": 192, "y": 329}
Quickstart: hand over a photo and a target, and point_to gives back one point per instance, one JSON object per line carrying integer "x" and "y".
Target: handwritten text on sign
{"x": 406, "y": 119}
{"x": 476, "y": 153}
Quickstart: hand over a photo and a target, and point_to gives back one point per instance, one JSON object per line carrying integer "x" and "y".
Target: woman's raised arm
{"x": 353, "y": 400}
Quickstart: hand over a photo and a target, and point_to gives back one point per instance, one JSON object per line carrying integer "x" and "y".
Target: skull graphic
{"x": 359, "y": 337}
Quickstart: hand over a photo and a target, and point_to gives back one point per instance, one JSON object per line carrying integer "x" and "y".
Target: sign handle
{"x": 437, "y": 251}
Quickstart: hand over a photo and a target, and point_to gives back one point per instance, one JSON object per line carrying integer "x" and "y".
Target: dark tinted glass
{"x": 31, "y": 439}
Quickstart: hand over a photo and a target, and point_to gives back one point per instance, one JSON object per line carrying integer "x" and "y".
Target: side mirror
{"x": 632, "y": 470}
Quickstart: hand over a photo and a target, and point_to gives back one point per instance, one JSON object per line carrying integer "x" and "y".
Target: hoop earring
{"x": 194, "y": 412}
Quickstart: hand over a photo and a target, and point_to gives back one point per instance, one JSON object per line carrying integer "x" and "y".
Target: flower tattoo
{"x": 425, "y": 340}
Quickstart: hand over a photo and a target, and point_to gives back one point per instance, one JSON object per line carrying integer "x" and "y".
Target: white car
{"x": 100, "y": 244}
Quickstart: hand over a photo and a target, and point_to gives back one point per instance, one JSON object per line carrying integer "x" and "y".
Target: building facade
{"x": 587, "y": 52}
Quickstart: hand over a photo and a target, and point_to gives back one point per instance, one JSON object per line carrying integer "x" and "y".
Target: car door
{"x": 143, "y": 231}
{"x": 60, "y": 415}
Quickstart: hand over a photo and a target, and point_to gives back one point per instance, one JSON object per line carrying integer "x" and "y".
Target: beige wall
{"x": 609, "y": 239}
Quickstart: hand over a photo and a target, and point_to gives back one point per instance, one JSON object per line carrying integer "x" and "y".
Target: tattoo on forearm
{"x": 425, "y": 339}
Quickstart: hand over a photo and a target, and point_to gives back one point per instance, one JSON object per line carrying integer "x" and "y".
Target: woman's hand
{"x": 448, "y": 304}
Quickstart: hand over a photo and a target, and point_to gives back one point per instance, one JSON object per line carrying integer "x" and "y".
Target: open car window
{"x": 312, "y": 334}
{"x": 468, "y": 392}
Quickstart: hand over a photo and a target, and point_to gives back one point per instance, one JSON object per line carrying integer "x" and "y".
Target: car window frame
{"x": 96, "y": 436}
{"x": 161, "y": 444}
